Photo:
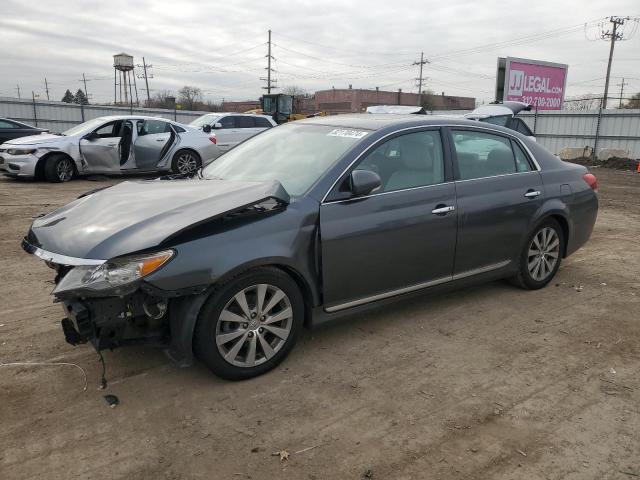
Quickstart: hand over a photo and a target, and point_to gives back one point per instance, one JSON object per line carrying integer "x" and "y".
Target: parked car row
{"x": 305, "y": 223}
{"x": 123, "y": 145}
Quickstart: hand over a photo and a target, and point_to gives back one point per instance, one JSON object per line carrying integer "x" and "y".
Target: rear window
{"x": 262, "y": 122}
{"x": 245, "y": 122}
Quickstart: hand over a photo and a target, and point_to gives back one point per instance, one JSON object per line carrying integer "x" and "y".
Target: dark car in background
{"x": 10, "y": 129}
{"x": 305, "y": 223}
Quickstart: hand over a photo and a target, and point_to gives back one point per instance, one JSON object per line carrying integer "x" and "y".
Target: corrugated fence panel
{"x": 619, "y": 129}
{"x": 59, "y": 116}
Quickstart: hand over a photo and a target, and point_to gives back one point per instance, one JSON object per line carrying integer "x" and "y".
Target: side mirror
{"x": 206, "y": 128}
{"x": 217, "y": 125}
{"x": 363, "y": 182}
{"x": 91, "y": 136}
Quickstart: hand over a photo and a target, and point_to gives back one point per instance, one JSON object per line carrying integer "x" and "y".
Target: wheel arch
{"x": 184, "y": 311}
{"x": 560, "y": 216}
{"x": 39, "y": 170}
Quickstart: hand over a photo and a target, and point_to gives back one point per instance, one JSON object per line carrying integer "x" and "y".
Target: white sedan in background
{"x": 230, "y": 129}
{"x": 110, "y": 145}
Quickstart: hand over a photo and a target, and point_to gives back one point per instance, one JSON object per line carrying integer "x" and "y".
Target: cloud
{"x": 221, "y": 47}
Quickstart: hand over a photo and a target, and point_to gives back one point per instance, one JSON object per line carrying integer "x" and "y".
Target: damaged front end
{"x": 106, "y": 302}
{"x": 110, "y": 302}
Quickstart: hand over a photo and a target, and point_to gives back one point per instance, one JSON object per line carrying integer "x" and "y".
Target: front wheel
{"x": 541, "y": 256}
{"x": 249, "y": 324}
{"x": 58, "y": 169}
{"x": 185, "y": 162}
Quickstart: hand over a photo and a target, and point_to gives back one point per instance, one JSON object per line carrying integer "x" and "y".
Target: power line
{"x": 621, "y": 85}
{"x": 423, "y": 61}
{"x": 616, "y": 33}
{"x": 269, "y": 69}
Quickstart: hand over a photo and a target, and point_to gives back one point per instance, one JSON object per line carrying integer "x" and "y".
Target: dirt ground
{"x": 488, "y": 382}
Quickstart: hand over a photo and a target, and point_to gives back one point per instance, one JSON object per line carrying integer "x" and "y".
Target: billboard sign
{"x": 540, "y": 84}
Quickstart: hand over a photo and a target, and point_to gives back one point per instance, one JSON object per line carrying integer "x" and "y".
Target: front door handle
{"x": 161, "y": 140}
{"x": 532, "y": 194}
{"x": 111, "y": 144}
{"x": 443, "y": 209}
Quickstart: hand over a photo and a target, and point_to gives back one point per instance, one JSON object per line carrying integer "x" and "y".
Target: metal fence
{"x": 555, "y": 130}
{"x": 598, "y": 129}
{"x": 59, "y": 116}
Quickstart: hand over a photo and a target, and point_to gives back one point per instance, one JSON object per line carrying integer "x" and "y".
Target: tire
{"x": 538, "y": 266}
{"x": 185, "y": 162}
{"x": 59, "y": 168}
{"x": 225, "y": 337}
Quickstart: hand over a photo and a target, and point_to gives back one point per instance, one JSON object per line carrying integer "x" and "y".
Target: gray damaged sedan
{"x": 305, "y": 223}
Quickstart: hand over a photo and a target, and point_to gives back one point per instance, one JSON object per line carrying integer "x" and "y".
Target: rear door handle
{"x": 443, "y": 209}
{"x": 161, "y": 140}
{"x": 532, "y": 194}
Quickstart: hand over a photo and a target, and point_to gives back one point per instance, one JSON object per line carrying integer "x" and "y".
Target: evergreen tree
{"x": 68, "y": 97}
{"x": 80, "y": 98}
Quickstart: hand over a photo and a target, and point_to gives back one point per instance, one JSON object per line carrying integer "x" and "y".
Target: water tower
{"x": 123, "y": 67}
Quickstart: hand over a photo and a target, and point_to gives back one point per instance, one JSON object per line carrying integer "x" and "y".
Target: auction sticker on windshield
{"x": 346, "y": 133}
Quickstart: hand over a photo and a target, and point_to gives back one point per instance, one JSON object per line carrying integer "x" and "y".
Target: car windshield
{"x": 205, "y": 120}
{"x": 295, "y": 154}
{"x": 85, "y": 127}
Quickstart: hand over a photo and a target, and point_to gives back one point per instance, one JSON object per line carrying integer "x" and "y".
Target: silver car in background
{"x": 230, "y": 129}
{"x": 110, "y": 145}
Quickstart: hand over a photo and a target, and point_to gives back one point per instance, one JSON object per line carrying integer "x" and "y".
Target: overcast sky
{"x": 221, "y": 46}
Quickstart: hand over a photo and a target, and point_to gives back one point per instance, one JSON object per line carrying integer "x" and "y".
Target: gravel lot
{"x": 488, "y": 382}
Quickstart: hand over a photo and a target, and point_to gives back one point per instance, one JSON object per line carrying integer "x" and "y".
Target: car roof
{"x": 222, "y": 114}
{"x": 134, "y": 117}
{"x": 370, "y": 121}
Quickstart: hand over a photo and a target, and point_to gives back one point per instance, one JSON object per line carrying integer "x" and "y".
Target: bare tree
{"x": 295, "y": 91}
{"x": 161, "y": 99}
{"x": 633, "y": 102}
{"x": 190, "y": 97}
{"x": 427, "y": 101}
{"x": 582, "y": 102}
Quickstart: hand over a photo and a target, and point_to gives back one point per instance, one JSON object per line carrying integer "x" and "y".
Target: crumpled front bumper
{"x": 111, "y": 322}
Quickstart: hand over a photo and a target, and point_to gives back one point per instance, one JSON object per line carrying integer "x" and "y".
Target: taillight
{"x": 591, "y": 180}
{"x": 215, "y": 141}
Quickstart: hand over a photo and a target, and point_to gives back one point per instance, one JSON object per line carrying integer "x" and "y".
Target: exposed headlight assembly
{"x": 21, "y": 151}
{"x": 114, "y": 277}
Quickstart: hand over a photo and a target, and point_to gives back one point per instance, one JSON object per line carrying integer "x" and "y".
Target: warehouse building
{"x": 352, "y": 100}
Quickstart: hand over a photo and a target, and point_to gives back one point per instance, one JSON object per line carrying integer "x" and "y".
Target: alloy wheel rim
{"x": 543, "y": 254}
{"x": 64, "y": 170}
{"x": 187, "y": 163}
{"x": 254, "y": 325}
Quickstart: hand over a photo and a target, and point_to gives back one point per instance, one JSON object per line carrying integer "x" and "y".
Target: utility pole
{"x": 422, "y": 62}
{"x": 46, "y": 87}
{"x": 614, "y": 35}
{"x": 269, "y": 69}
{"x": 18, "y": 88}
{"x": 86, "y": 93}
{"x": 146, "y": 77}
{"x": 621, "y": 85}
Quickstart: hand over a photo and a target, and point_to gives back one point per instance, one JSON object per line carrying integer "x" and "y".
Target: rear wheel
{"x": 541, "y": 256}
{"x": 185, "y": 162}
{"x": 58, "y": 169}
{"x": 249, "y": 324}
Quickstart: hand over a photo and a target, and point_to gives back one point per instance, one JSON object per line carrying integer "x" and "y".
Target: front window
{"x": 296, "y": 155}
{"x": 407, "y": 161}
{"x": 208, "y": 119}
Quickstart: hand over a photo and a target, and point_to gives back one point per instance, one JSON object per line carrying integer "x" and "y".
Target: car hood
{"x": 138, "y": 215}
{"x": 36, "y": 139}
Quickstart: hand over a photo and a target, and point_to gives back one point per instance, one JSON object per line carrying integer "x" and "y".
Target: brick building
{"x": 349, "y": 100}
